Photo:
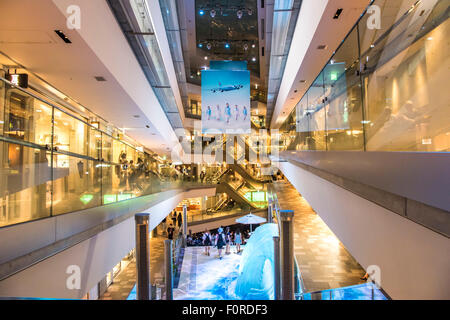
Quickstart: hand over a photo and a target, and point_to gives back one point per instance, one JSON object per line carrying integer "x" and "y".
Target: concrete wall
{"x": 414, "y": 260}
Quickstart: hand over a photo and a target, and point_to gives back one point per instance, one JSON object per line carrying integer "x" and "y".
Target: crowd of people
{"x": 221, "y": 238}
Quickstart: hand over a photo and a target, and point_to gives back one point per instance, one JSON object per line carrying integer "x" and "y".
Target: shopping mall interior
{"x": 323, "y": 175}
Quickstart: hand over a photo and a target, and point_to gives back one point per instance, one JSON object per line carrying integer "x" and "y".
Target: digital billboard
{"x": 226, "y": 101}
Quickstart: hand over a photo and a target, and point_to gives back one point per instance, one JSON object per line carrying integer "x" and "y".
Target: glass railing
{"x": 53, "y": 162}
{"x": 366, "y": 291}
{"x": 384, "y": 89}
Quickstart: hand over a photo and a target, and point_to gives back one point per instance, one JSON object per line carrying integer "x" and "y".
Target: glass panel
{"x": 119, "y": 151}
{"x": 2, "y": 103}
{"x": 25, "y": 183}
{"x": 405, "y": 81}
{"x": 316, "y": 113}
{"x": 76, "y": 184}
{"x": 70, "y": 134}
{"x": 107, "y": 148}
{"x": 95, "y": 143}
{"x": 343, "y": 102}
{"x": 26, "y": 118}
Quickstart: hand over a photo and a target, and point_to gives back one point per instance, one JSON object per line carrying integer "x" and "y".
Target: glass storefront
{"x": 383, "y": 89}
{"x": 54, "y": 162}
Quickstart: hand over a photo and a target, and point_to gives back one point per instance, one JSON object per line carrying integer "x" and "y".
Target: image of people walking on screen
{"x": 228, "y": 113}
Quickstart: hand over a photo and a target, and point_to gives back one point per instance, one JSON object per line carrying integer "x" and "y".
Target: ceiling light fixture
{"x": 338, "y": 13}
{"x": 227, "y": 45}
{"x": 239, "y": 14}
{"x": 209, "y": 46}
{"x": 253, "y": 59}
{"x": 245, "y": 46}
{"x": 201, "y": 12}
{"x": 212, "y": 13}
{"x": 249, "y": 12}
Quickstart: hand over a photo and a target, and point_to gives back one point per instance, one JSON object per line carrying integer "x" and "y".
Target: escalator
{"x": 224, "y": 187}
{"x": 256, "y": 182}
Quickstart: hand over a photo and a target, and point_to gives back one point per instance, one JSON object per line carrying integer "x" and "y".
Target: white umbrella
{"x": 250, "y": 219}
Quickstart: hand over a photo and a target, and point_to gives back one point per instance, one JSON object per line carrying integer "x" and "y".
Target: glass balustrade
{"x": 384, "y": 89}
{"x": 54, "y": 162}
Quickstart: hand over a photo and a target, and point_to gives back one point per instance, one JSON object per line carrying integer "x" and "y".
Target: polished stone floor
{"x": 126, "y": 279}
{"x": 323, "y": 260}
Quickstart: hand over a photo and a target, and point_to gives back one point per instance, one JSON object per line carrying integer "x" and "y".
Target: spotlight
{"x": 200, "y": 45}
{"x": 206, "y": 57}
{"x": 250, "y": 12}
{"x": 253, "y": 45}
{"x": 253, "y": 59}
{"x": 208, "y": 46}
{"x": 227, "y": 45}
{"x": 245, "y": 46}
{"x": 201, "y": 12}
{"x": 212, "y": 13}
{"x": 239, "y": 14}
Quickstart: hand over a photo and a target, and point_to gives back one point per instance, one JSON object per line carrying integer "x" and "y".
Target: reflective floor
{"x": 207, "y": 277}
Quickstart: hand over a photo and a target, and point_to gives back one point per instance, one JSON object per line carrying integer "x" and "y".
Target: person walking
{"x": 227, "y": 240}
{"x": 207, "y": 242}
{"x": 220, "y": 241}
{"x": 238, "y": 240}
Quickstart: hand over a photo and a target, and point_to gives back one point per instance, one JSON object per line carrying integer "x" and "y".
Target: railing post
{"x": 168, "y": 269}
{"x": 287, "y": 255}
{"x": 184, "y": 226}
{"x": 270, "y": 212}
{"x": 142, "y": 256}
{"x": 276, "y": 261}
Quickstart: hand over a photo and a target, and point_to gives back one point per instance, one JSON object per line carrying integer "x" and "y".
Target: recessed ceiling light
{"x": 63, "y": 36}
{"x": 100, "y": 78}
{"x": 338, "y": 13}
{"x": 322, "y": 47}
{"x": 136, "y": 116}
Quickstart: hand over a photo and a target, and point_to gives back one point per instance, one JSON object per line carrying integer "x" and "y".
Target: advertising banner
{"x": 226, "y": 102}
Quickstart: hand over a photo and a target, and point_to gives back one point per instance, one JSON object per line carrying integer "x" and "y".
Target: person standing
{"x": 170, "y": 231}
{"x": 227, "y": 240}
{"x": 179, "y": 220}
{"x": 220, "y": 241}
{"x": 238, "y": 240}
{"x": 174, "y": 218}
{"x": 207, "y": 242}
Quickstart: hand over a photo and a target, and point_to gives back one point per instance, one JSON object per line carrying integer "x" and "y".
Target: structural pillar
{"x": 142, "y": 256}
{"x": 276, "y": 261}
{"x": 168, "y": 261}
{"x": 184, "y": 225}
{"x": 287, "y": 255}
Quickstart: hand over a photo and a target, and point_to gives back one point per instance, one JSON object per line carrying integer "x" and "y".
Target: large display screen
{"x": 226, "y": 101}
